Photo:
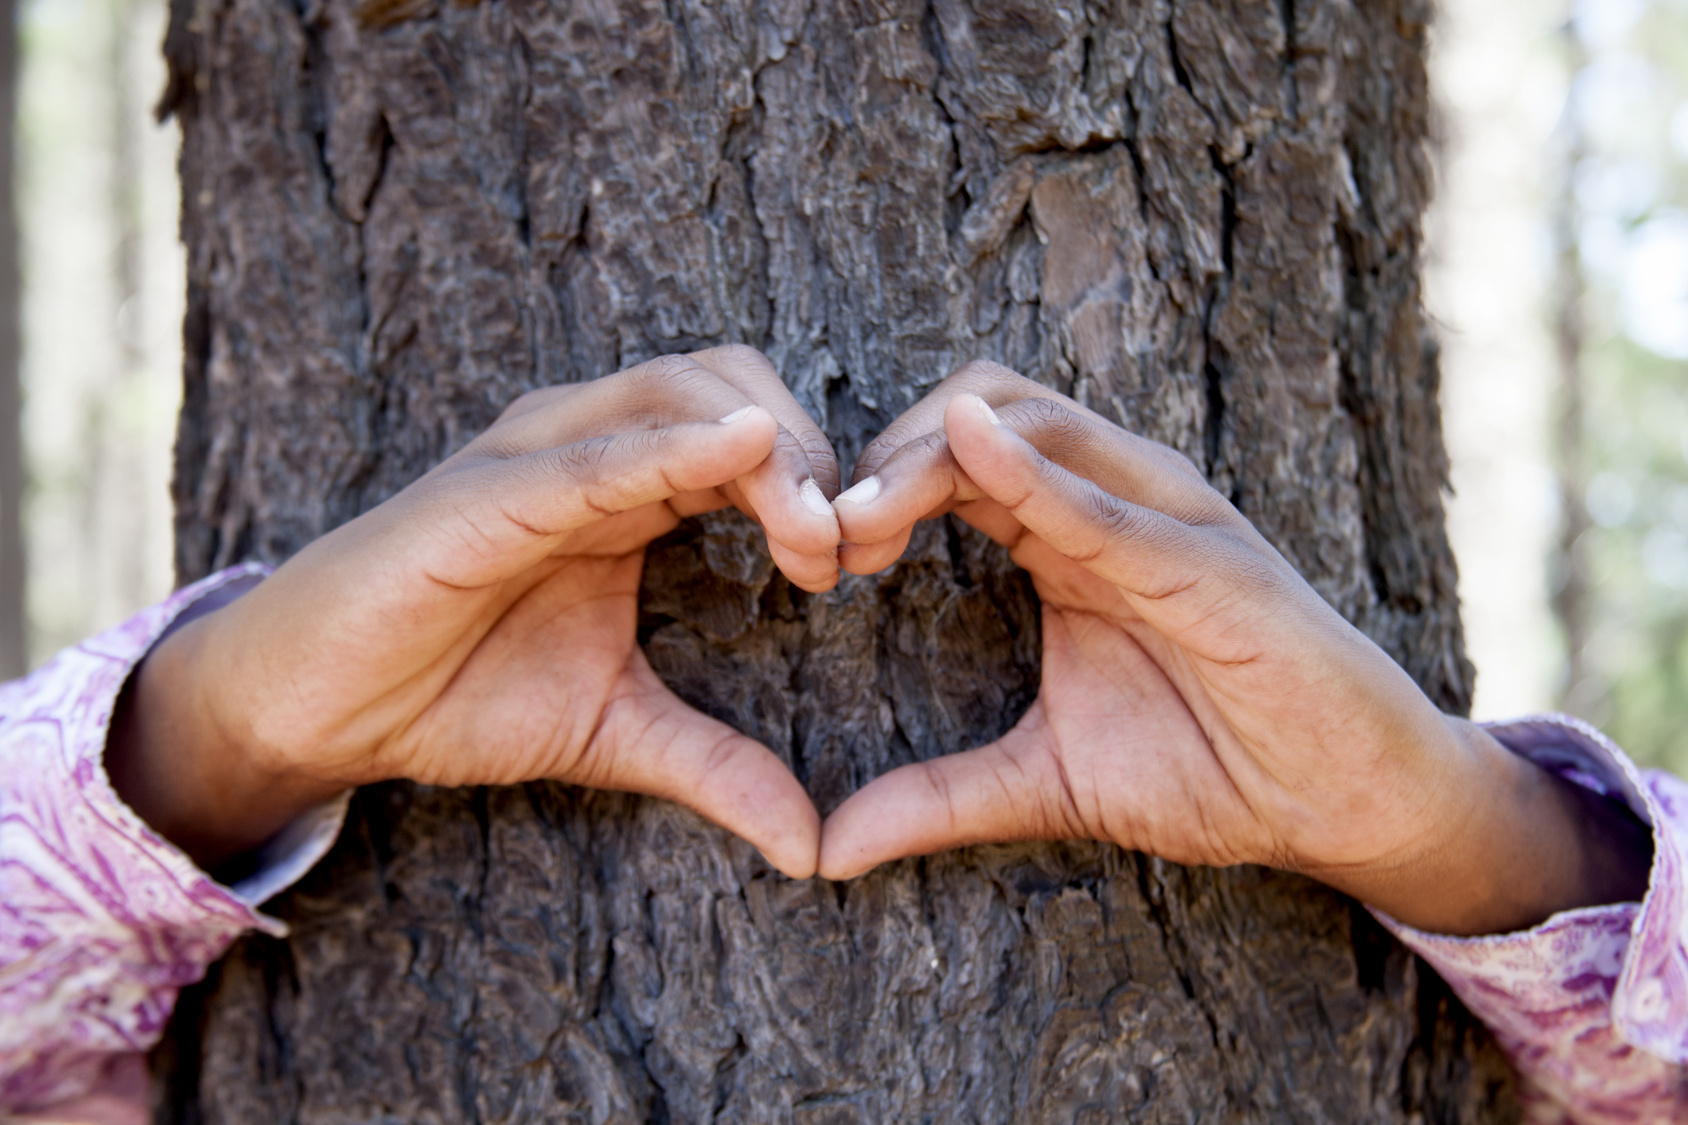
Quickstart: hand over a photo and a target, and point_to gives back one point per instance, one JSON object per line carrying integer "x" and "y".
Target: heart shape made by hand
{"x": 1198, "y": 700}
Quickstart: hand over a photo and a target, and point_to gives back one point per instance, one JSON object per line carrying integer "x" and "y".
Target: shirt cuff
{"x": 283, "y": 859}
{"x": 155, "y": 881}
{"x": 1621, "y": 968}
{"x": 296, "y": 848}
{"x": 292, "y": 852}
{"x": 101, "y": 919}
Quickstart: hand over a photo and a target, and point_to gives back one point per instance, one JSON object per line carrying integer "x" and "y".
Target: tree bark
{"x": 14, "y": 561}
{"x": 1199, "y": 217}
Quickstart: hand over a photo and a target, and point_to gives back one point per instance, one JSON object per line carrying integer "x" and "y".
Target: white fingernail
{"x": 863, "y": 492}
{"x": 989, "y": 413}
{"x": 814, "y": 499}
{"x": 736, "y": 415}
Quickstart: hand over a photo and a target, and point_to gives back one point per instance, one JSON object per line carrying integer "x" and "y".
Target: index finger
{"x": 750, "y": 372}
{"x": 990, "y": 381}
{"x": 1148, "y": 552}
{"x": 790, "y": 492}
{"x": 923, "y": 477}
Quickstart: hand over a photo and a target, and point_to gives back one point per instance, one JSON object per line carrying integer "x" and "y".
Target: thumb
{"x": 1013, "y": 789}
{"x": 652, "y": 742}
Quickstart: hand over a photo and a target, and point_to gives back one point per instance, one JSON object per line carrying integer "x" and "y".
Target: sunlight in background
{"x": 1499, "y": 83}
{"x": 1628, "y": 212}
{"x": 103, "y": 279}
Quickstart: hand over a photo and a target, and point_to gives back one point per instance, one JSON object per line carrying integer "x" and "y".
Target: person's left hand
{"x": 1199, "y": 702}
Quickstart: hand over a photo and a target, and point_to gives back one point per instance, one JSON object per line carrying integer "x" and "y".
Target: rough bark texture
{"x": 1200, "y": 217}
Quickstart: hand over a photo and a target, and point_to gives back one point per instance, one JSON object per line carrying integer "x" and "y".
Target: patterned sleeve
{"x": 101, "y": 920}
{"x": 1591, "y": 1005}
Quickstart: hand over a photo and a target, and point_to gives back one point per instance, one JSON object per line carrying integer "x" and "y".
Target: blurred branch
{"x": 13, "y": 639}
{"x": 1570, "y": 444}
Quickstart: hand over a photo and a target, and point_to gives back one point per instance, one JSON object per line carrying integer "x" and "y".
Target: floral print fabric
{"x": 102, "y": 922}
{"x": 1591, "y": 1005}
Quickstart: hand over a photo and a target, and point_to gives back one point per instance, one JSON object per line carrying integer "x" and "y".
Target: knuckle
{"x": 1050, "y": 420}
{"x": 676, "y": 376}
{"x": 684, "y": 381}
{"x": 1188, "y": 467}
{"x": 1118, "y": 520}
{"x": 500, "y": 443}
{"x": 933, "y": 443}
{"x": 876, "y": 452}
{"x": 671, "y": 366}
{"x": 532, "y": 400}
{"x": 1120, "y": 523}
{"x": 736, "y": 355}
{"x": 925, "y": 453}
{"x": 581, "y": 462}
{"x": 592, "y": 463}
{"x": 985, "y": 373}
{"x": 814, "y": 444}
{"x": 600, "y": 467}
{"x": 818, "y": 451}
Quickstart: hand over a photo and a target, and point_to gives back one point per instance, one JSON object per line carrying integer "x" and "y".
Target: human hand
{"x": 479, "y": 627}
{"x": 1199, "y": 702}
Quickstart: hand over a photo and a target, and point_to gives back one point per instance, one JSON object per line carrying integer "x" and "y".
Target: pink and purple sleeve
{"x": 1591, "y": 1005}
{"x": 102, "y": 922}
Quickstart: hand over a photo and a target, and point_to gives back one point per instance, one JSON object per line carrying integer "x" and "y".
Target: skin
{"x": 479, "y": 627}
{"x": 1199, "y": 701}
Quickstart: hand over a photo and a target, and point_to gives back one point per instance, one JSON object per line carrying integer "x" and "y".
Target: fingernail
{"x": 736, "y": 415}
{"x": 863, "y": 492}
{"x": 989, "y": 413}
{"x": 814, "y": 499}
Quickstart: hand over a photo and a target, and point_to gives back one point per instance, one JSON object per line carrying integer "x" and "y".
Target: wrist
{"x": 172, "y": 760}
{"x": 1506, "y": 845}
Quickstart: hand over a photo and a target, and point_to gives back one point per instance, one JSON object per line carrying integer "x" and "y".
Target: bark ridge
{"x": 1200, "y": 217}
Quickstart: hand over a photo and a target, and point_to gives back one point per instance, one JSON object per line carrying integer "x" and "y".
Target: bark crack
{"x": 1153, "y": 891}
{"x": 1214, "y": 417}
{"x": 1181, "y": 75}
{"x": 840, "y": 159}
{"x": 1292, "y": 53}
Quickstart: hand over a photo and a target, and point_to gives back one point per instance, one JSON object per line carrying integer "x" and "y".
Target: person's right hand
{"x": 479, "y": 627}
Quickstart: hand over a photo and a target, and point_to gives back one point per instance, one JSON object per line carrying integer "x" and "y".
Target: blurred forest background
{"x": 102, "y": 293}
{"x": 1558, "y": 272}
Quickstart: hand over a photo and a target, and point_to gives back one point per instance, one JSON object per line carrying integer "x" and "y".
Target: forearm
{"x": 103, "y": 920}
{"x": 192, "y": 782}
{"x": 1590, "y": 1004}
{"x": 1512, "y": 846}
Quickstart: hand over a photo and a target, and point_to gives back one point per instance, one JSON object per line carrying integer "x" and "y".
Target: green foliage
{"x": 1629, "y": 105}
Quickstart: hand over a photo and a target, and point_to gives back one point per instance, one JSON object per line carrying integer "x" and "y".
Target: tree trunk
{"x": 1200, "y": 218}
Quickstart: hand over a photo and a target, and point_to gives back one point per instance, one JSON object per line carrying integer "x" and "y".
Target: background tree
{"x": 14, "y": 640}
{"x": 1200, "y": 218}
{"x": 1621, "y": 440}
